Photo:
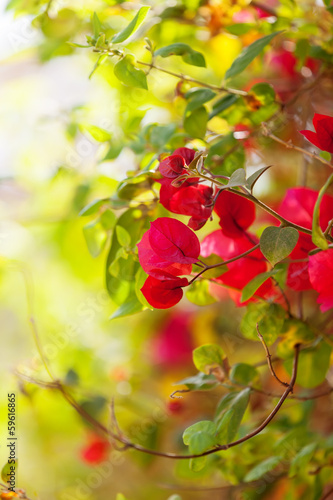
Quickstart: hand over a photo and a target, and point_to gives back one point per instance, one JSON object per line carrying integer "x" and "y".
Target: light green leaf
{"x": 197, "y": 464}
{"x": 206, "y": 426}
{"x": 242, "y": 373}
{"x": 198, "y": 293}
{"x": 95, "y": 236}
{"x": 270, "y": 319}
{"x": 318, "y": 237}
{"x": 189, "y": 55}
{"x": 97, "y": 133}
{"x": 208, "y": 356}
{"x": 131, "y": 306}
{"x": 123, "y": 236}
{"x": 313, "y": 365}
{"x": 195, "y": 124}
{"x": 200, "y": 442}
{"x": 261, "y": 469}
{"x": 93, "y": 207}
{"x": 7, "y": 469}
{"x": 128, "y": 74}
{"x": 132, "y": 27}
{"x": 249, "y": 54}
{"x": 96, "y": 26}
{"x": 237, "y": 179}
{"x": 276, "y": 243}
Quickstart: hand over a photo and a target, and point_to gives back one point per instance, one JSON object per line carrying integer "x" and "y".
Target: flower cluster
{"x": 167, "y": 252}
{"x": 169, "y": 249}
{"x": 186, "y": 196}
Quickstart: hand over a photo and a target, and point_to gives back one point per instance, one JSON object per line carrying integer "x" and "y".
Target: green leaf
{"x": 197, "y": 97}
{"x": 301, "y": 460}
{"x": 229, "y": 423}
{"x": 250, "y": 181}
{"x": 95, "y": 236}
{"x": 205, "y": 426}
{"x": 252, "y": 286}
{"x": 97, "y": 133}
{"x": 198, "y": 293}
{"x": 237, "y": 179}
{"x": 263, "y": 92}
{"x": 197, "y": 464}
{"x": 242, "y": 373}
{"x": 270, "y": 319}
{"x": 131, "y": 306}
{"x": 276, "y": 243}
{"x": 208, "y": 356}
{"x": 189, "y": 55}
{"x": 9, "y": 468}
{"x": 123, "y": 236}
{"x": 249, "y": 54}
{"x": 135, "y": 186}
{"x": 101, "y": 60}
{"x": 318, "y": 237}
{"x": 261, "y": 469}
{"x": 93, "y": 207}
{"x": 199, "y": 382}
{"x": 195, "y": 124}
{"x": 239, "y": 28}
{"x": 96, "y": 26}
{"x": 132, "y": 27}
{"x": 200, "y": 442}
{"x": 128, "y": 74}
{"x": 223, "y": 104}
{"x": 210, "y": 261}
{"x": 313, "y": 365}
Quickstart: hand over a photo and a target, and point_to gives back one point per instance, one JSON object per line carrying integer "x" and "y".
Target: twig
{"x": 290, "y": 145}
{"x": 224, "y": 263}
{"x": 327, "y": 495}
{"x": 173, "y": 395}
{"x": 102, "y": 429}
{"x": 268, "y": 356}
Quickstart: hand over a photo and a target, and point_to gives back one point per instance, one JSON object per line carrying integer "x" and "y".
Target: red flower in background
{"x": 242, "y": 270}
{"x": 298, "y": 206}
{"x": 236, "y": 214}
{"x": 96, "y": 451}
{"x": 173, "y": 343}
{"x": 190, "y": 198}
{"x": 323, "y": 135}
{"x": 321, "y": 277}
{"x": 167, "y": 251}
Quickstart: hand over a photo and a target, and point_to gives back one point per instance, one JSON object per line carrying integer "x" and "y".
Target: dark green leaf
{"x": 250, "y": 181}
{"x": 197, "y": 97}
{"x": 248, "y": 54}
{"x": 223, "y": 104}
{"x": 301, "y": 460}
{"x": 189, "y": 55}
{"x": 128, "y": 74}
{"x": 276, "y": 243}
{"x": 229, "y": 423}
{"x": 200, "y": 442}
{"x": 132, "y": 27}
{"x": 131, "y": 306}
{"x": 252, "y": 286}
{"x": 199, "y": 382}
